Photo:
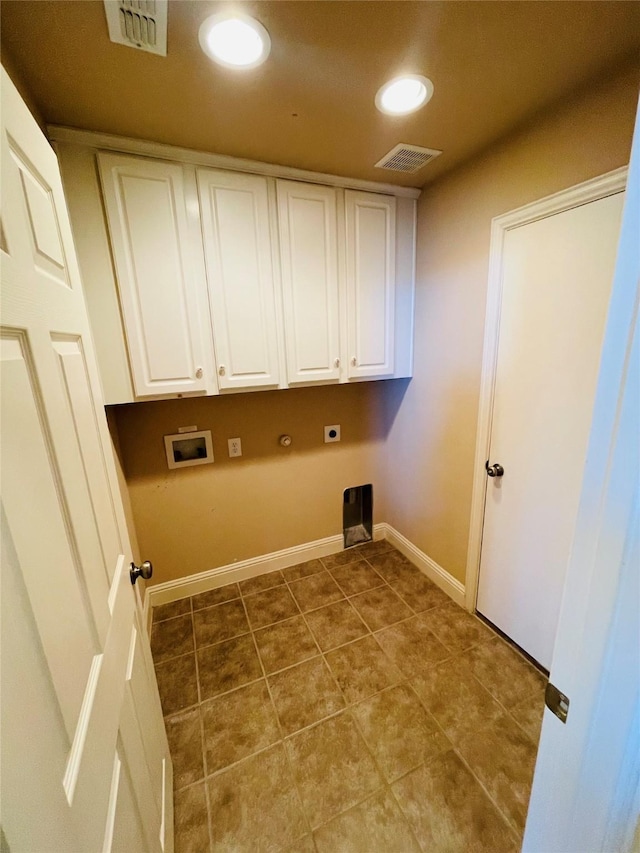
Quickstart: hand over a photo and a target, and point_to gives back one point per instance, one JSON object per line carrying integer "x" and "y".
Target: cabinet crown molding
{"x": 160, "y": 151}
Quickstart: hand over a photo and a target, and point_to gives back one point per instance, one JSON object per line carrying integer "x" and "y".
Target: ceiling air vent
{"x": 407, "y": 158}
{"x": 138, "y": 23}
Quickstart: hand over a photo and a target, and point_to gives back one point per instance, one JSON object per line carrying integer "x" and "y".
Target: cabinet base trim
{"x": 163, "y": 593}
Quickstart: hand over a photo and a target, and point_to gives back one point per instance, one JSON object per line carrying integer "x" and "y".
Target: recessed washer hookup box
{"x": 189, "y": 448}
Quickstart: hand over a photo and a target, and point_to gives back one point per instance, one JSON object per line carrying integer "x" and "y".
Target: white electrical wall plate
{"x": 331, "y": 433}
{"x": 235, "y": 447}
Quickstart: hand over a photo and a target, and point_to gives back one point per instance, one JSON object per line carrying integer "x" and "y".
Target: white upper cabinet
{"x": 237, "y": 242}
{"x": 146, "y": 212}
{"x": 307, "y": 219}
{"x": 370, "y": 221}
{"x": 224, "y": 280}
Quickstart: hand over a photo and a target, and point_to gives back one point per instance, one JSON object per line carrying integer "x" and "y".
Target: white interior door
{"x": 237, "y": 245}
{"x": 586, "y": 791}
{"x": 85, "y": 763}
{"x": 557, "y": 277}
{"x": 307, "y": 217}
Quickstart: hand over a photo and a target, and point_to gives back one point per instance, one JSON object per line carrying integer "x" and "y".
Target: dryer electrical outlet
{"x": 331, "y": 433}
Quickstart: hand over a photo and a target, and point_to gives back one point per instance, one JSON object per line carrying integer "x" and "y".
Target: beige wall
{"x": 414, "y": 440}
{"x": 193, "y": 519}
{"x": 18, "y": 81}
{"x": 431, "y": 444}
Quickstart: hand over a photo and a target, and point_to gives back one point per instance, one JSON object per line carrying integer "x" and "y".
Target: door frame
{"x": 592, "y": 190}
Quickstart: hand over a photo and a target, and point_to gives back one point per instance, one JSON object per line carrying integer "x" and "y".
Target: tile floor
{"x": 344, "y": 704}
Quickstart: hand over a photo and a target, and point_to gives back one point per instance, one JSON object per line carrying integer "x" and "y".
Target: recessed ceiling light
{"x": 235, "y": 41}
{"x": 404, "y": 94}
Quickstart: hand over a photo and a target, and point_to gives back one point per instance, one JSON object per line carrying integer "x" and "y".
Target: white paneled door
{"x": 85, "y": 763}
{"x": 556, "y": 284}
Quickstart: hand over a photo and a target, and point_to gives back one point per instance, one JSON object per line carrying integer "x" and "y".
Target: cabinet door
{"x": 370, "y": 261}
{"x": 237, "y": 243}
{"x": 308, "y": 235}
{"x": 146, "y": 212}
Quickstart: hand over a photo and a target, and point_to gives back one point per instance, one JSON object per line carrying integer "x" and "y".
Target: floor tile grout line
{"x": 195, "y": 609}
{"x": 361, "y": 591}
{"x": 346, "y": 595}
{"x": 238, "y": 584}
{"x": 475, "y": 778}
{"x": 500, "y": 703}
{"x": 349, "y": 706}
{"x": 201, "y": 722}
{"x": 282, "y": 740}
{"x": 386, "y": 787}
{"x": 208, "y": 699}
{"x": 155, "y": 622}
{"x": 322, "y": 652}
{"x": 349, "y": 703}
{"x": 326, "y": 665}
{"x": 458, "y": 753}
{"x": 313, "y": 636}
{"x": 367, "y": 633}
{"x": 467, "y": 765}
{"x": 165, "y": 622}
{"x": 253, "y": 627}
{"x": 500, "y": 811}
{"x": 382, "y": 627}
{"x": 382, "y": 775}
{"x": 274, "y": 710}
{"x": 387, "y": 783}
{"x": 292, "y": 665}
{"x": 514, "y": 648}
{"x": 325, "y": 652}
{"x": 526, "y": 696}
{"x": 346, "y": 710}
{"x": 536, "y": 743}
{"x": 251, "y": 755}
{"x": 402, "y": 811}
{"x": 327, "y": 604}
{"x": 204, "y": 756}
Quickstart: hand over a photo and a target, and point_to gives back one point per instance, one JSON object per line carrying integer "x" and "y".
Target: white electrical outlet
{"x": 235, "y": 447}
{"x": 331, "y": 433}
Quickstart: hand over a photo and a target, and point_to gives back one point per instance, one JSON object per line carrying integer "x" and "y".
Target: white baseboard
{"x": 441, "y": 577}
{"x": 163, "y": 593}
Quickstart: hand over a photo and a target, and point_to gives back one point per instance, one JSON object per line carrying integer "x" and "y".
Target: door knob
{"x": 494, "y": 470}
{"x": 145, "y": 570}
